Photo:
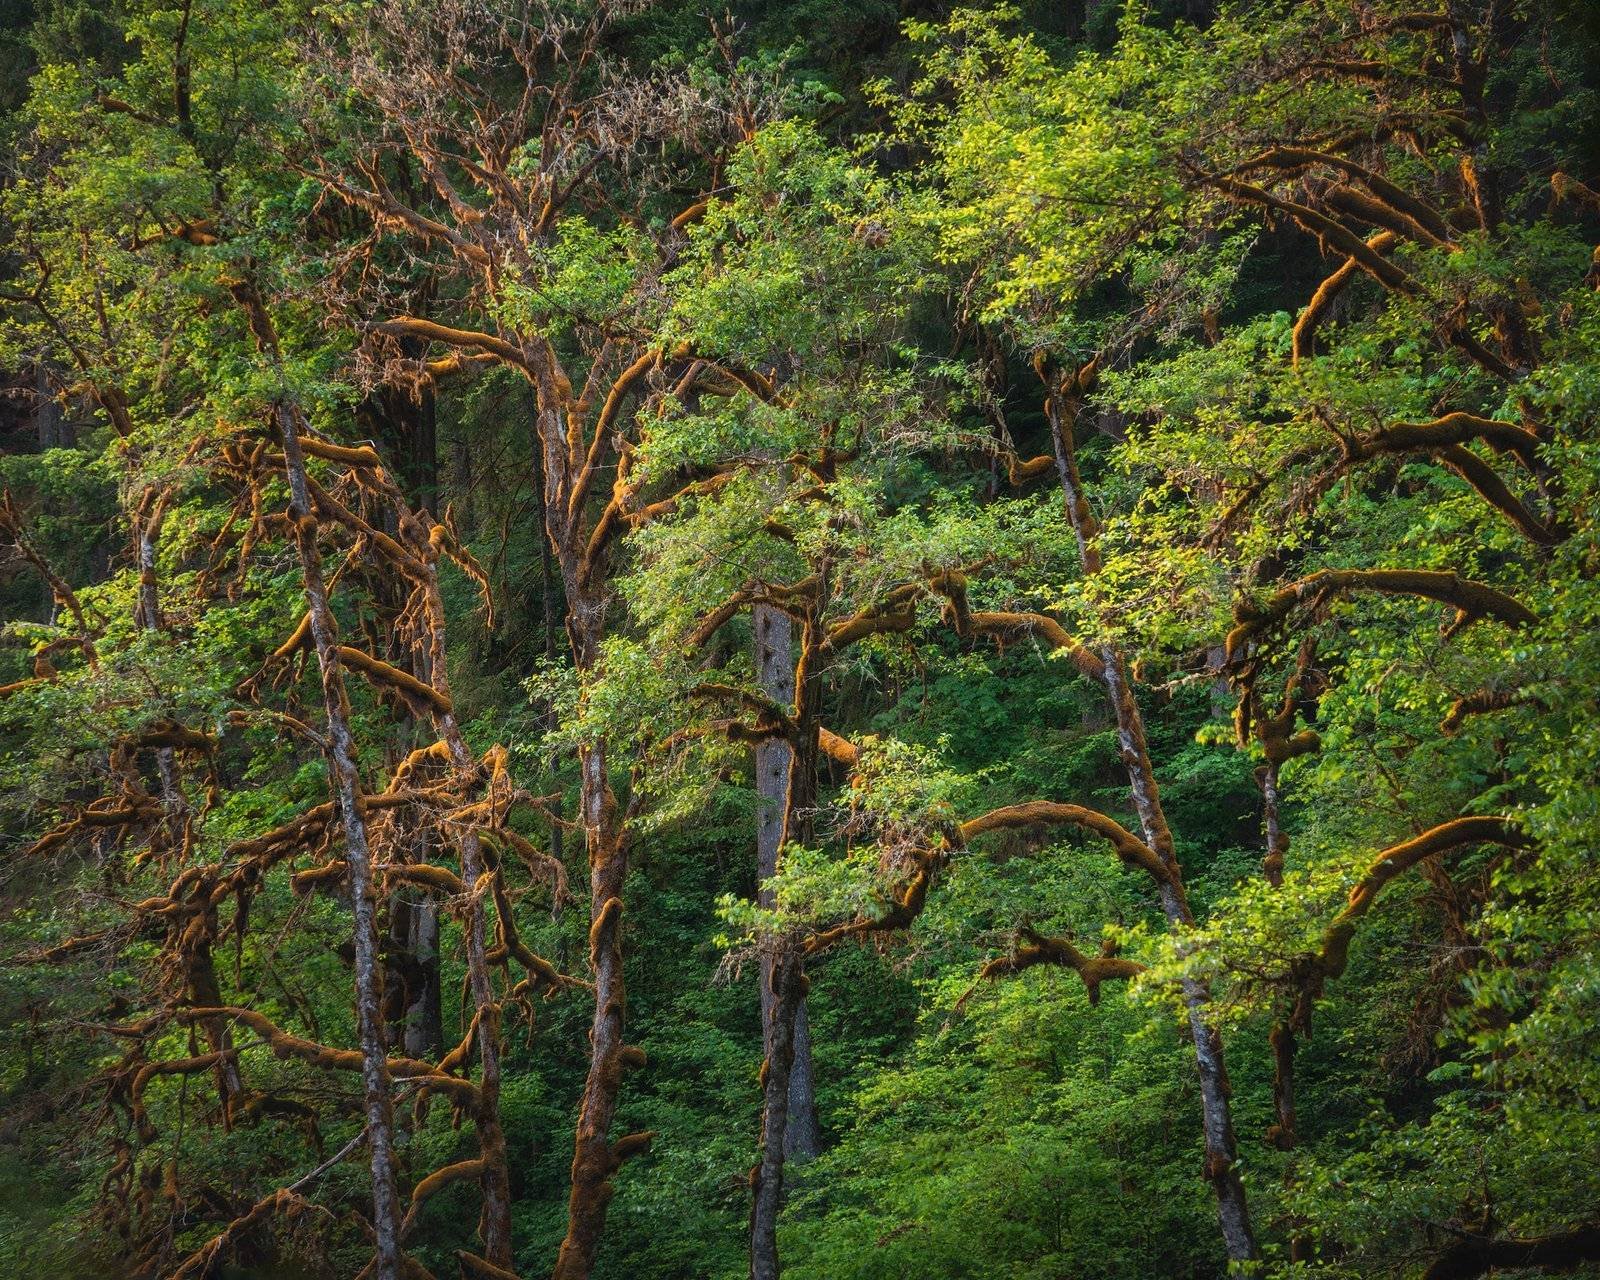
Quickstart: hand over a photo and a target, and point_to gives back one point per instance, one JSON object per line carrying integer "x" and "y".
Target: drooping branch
{"x": 1333, "y": 234}
{"x": 895, "y": 612}
{"x": 1455, "y": 428}
{"x": 1327, "y": 293}
{"x": 470, "y": 339}
{"x": 168, "y": 1067}
{"x": 1494, "y": 490}
{"x": 1006, "y": 625}
{"x": 1127, "y": 846}
{"x": 416, "y": 693}
{"x": 1425, "y": 216}
{"x": 1482, "y": 702}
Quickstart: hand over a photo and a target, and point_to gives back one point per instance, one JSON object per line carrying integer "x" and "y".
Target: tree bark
{"x": 788, "y": 1092}
{"x": 418, "y": 532}
{"x": 424, "y": 1015}
{"x": 1233, "y": 1213}
{"x": 595, "y": 1158}
{"x": 784, "y": 978}
{"x": 347, "y": 788}
{"x": 495, "y": 1180}
{"x": 774, "y": 645}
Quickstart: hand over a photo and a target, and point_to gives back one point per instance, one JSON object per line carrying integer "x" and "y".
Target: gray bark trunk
{"x": 347, "y": 784}
{"x": 424, "y": 1035}
{"x": 785, "y": 989}
{"x": 774, "y": 645}
{"x": 788, "y": 1085}
{"x": 1233, "y": 1214}
{"x": 55, "y": 432}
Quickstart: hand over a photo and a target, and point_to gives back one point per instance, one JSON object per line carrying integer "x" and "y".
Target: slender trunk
{"x": 495, "y": 1226}
{"x": 785, "y": 984}
{"x": 595, "y": 1156}
{"x": 347, "y": 784}
{"x": 1277, "y": 841}
{"x": 550, "y": 608}
{"x": 1216, "y": 1114}
{"x": 774, "y": 645}
{"x": 1283, "y": 1133}
{"x": 425, "y": 451}
{"x": 424, "y": 1015}
{"x": 788, "y": 1091}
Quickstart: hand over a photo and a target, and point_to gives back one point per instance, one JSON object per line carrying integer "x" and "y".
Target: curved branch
{"x": 1447, "y": 837}
{"x": 1428, "y": 219}
{"x": 1321, "y": 302}
{"x": 1454, "y": 429}
{"x": 461, "y": 1171}
{"x": 1335, "y": 235}
{"x": 431, "y": 331}
{"x": 1127, "y": 846}
{"x": 414, "y": 691}
{"x": 1005, "y": 625}
{"x": 1471, "y": 600}
{"x": 1041, "y": 949}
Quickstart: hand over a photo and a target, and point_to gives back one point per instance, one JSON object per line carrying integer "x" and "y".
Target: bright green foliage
{"x": 914, "y": 220}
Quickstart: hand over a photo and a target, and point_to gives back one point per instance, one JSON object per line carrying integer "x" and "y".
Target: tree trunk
{"x": 495, "y": 1180}
{"x": 785, "y": 783}
{"x": 424, "y": 1015}
{"x": 785, "y": 982}
{"x": 803, "y": 1136}
{"x": 774, "y": 645}
{"x": 595, "y": 1158}
{"x": 1216, "y": 1115}
{"x": 55, "y": 432}
{"x": 346, "y": 783}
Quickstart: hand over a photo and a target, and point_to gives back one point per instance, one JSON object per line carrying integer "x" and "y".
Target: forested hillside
{"x": 851, "y": 641}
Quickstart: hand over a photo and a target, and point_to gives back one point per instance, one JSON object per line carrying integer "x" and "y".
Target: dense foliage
{"x": 851, "y": 640}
